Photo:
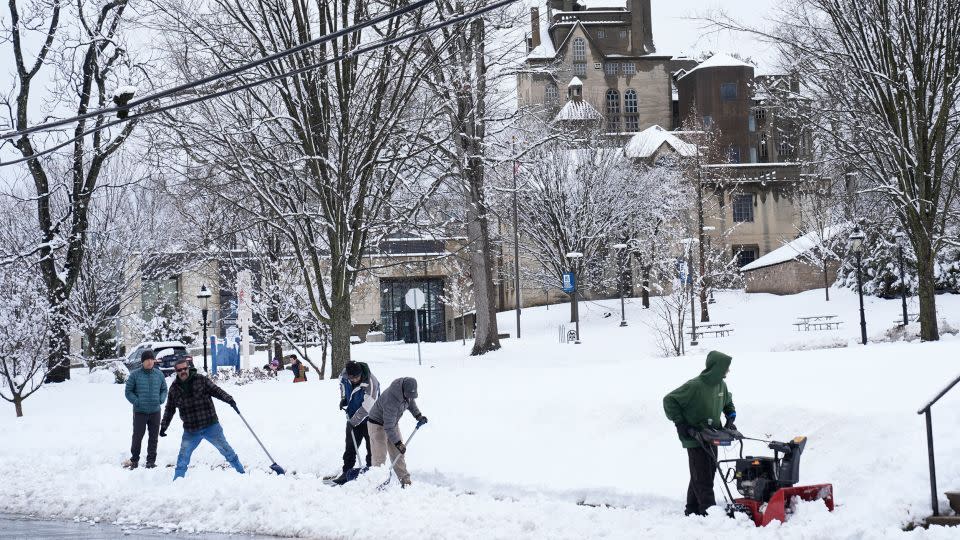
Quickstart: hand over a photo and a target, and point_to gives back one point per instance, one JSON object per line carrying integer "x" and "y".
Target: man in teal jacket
{"x": 696, "y": 405}
{"x": 146, "y": 390}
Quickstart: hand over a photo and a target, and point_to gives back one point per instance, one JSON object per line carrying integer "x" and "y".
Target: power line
{"x": 217, "y": 76}
{"x": 252, "y": 84}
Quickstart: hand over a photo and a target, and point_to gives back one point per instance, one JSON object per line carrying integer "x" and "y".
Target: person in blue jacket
{"x": 359, "y": 390}
{"x": 146, "y": 390}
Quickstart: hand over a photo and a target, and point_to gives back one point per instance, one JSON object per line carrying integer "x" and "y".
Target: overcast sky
{"x": 673, "y": 34}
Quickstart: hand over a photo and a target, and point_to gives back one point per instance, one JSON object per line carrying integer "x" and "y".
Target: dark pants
{"x": 358, "y": 434}
{"x": 703, "y": 467}
{"x": 141, "y": 423}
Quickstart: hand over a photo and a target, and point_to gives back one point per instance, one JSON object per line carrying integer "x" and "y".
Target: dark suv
{"x": 168, "y": 353}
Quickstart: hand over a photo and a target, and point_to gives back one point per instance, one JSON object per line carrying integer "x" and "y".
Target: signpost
{"x": 415, "y": 300}
{"x": 569, "y": 282}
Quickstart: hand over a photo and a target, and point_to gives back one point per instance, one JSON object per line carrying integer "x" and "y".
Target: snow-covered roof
{"x": 603, "y": 4}
{"x": 646, "y": 143}
{"x": 575, "y": 82}
{"x": 546, "y": 50}
{"x": 719, "y": 60}
{"x": 578, "y": 110}
{"x": 794, "y": 249}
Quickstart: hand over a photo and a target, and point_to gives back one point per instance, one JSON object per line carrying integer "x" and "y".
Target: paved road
{"x": 22, "y": 528}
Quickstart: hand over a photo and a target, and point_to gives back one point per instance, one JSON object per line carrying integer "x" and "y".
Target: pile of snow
{"x": 521, "y": 442}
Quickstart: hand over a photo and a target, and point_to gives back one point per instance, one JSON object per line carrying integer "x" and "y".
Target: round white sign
{"x": 414, "y": 298}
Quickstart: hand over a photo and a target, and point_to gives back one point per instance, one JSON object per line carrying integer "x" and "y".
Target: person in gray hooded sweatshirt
{"x": 383, "y": 425}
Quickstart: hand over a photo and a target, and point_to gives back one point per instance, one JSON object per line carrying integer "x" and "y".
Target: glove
{"x": 163, "y": 432}
{"x": 421, "y": 420}
{"x": 730, "y": 419}
{"x": 401, "y": 447}
{"x": 233, "y": 404}
{"x": 686, "y": 430}
{"x": 343, "y": 404}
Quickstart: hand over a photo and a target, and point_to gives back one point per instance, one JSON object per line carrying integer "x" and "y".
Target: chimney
{"x": 535, "y": 27}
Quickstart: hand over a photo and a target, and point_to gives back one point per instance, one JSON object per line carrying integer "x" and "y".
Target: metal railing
{"x": 933, "y": 470}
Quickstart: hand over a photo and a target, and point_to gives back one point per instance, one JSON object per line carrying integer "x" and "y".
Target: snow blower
{"x": 767, "y": 484}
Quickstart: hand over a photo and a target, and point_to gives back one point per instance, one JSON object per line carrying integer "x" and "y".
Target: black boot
{"x": 340, "y": 480}
{"x": 150, "y": 465}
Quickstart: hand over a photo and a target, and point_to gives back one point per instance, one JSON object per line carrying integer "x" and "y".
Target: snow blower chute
{"x": 767, "y": 484}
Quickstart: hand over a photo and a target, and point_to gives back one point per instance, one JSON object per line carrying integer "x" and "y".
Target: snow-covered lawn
{"x": 517, "y": 438}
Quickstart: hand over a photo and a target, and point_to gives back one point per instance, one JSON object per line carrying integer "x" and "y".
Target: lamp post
{"x": 901, "y": 238}
{"x": 204, "y": 295}
{"x": 707, "y": 229}
{"x": 856, "y": 244}
{"x": 688, "y": 242}
{"x": 573, "y": 256}
{"x": 623, "y": 309}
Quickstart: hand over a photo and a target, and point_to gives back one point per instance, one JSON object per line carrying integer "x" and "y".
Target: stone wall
{"x": 789, "y": 277}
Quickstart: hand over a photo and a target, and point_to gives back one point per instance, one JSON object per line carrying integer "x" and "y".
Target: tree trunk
{"x": 340, "y": 329}
{"x": 324, "y": 337}
{"x": 645, "y": 293}
{"x": 18, "y": 405}
{"x": 58, "y": 361}
{"x": 481, "y": 267}
{"x": 826, "y": 281}
{"x": 926, "y": 292}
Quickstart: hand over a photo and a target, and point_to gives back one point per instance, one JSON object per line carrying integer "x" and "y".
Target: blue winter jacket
{"x": 146, "y": 390}
{"x": 367, "y": 391}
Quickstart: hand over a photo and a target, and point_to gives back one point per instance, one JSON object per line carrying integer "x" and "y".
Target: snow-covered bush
{"x": 168, "y": 322}
{"x": 110, "y": 373}
{"x": 244, "y": 376}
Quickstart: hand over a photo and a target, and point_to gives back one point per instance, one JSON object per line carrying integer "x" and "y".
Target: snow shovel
{"x": 353, "y": 473}
{"x": 382, "y": 486}
{"x": 273, "y": 466}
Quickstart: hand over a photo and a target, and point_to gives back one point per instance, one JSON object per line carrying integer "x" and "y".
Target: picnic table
{"x": 713, "y": 329}
{"x": 911, "y": 317}
{"x": 817, "y": 322}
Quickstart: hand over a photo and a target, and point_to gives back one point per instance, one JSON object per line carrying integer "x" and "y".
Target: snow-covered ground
{"x": 518, "y": 438}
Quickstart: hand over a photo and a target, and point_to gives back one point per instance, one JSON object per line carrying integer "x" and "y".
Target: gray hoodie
{"x": 398, "y": 397}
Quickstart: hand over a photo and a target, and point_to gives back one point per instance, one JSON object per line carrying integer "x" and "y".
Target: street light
{"x": 623, "y": 310}
{"x": 204, "y": 295}
{"x": 901, "y": 238}
{"x": 856, "y": 244}
{"x": 708, "y": 229}
{"x": 573, "y": 256}
{"x": 688, "y": 242}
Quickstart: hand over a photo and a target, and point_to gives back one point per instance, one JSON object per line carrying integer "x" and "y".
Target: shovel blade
{"x": 277, "y": 469}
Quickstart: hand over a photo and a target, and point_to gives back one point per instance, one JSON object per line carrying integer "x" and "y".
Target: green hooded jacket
{"x": 701, "y": 400}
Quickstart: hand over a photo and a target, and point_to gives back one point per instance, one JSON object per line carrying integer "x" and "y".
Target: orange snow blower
{"x": 768, "y": 484}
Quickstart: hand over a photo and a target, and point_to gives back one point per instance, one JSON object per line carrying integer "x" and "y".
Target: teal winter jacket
{"x": 146, "y": 390}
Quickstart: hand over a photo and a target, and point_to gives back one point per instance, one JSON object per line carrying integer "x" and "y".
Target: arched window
{"x": 551, "y": 94}
{"x": 613, "y": 111}
{"x": 579, "y": 50}
{"x": 631, "y": 118}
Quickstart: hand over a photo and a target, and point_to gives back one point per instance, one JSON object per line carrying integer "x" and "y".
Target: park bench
{"x": 911, "y": 317}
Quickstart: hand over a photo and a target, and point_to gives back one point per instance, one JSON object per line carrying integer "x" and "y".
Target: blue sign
{"x": 569, "y": 282}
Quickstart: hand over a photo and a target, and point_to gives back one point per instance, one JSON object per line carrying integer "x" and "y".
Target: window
{"x": 752, "y": 124}
{"x": 630, "y": 101}
{"x": 579, "y": 50}
{"x": 745, "y": 254}
{"x": 623, "y": 34}
{"x": 580, "y": 69}
{"x": 743, "y": 208}
{"x": 734, "y": 154}
{"x": 760, "y": 115}
{"x": 601, "y": 34}
{"x": 611, "y": 68}
{"x": 728, "y": 91}
{"x": 764, "y": 148}
{"x": 785, "y": 149}
{"x": 551, "y": 94}
{"x": 613, "y": 111}
{"x": 629, "y": 68}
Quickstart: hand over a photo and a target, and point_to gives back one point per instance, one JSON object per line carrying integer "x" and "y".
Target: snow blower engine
{"x": 768, "y": 484}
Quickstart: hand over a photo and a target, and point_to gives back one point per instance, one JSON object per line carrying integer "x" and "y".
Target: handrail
{"x": 935, "y": 502}
{"x": 940, "y": 395}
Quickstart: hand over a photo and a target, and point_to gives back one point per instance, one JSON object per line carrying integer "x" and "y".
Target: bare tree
{"x": 884, "y": 78}
{"x": 324, "y": 155}
{"x": 83, "y": 52}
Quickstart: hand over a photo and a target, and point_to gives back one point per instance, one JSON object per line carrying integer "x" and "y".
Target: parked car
{"x": 168, "y": 353}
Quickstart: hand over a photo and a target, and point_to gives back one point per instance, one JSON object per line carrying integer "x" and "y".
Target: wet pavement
{"x": 28, "y": 528}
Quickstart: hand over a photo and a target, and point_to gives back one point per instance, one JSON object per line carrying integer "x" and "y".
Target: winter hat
{"x": 147, "y": 355}
{"x": 353, "y": 369}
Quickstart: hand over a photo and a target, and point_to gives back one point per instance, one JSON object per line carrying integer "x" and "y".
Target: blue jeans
{"x": 190, "y": 441}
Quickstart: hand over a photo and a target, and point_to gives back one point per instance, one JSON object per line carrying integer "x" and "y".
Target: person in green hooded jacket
{"x": 696, "y": 405}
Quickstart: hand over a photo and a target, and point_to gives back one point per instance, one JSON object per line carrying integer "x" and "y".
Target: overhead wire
{"x": 220, "y": 75}
{"x": 252, "y": 84}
